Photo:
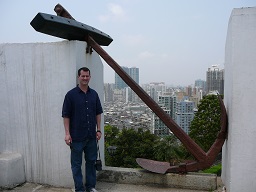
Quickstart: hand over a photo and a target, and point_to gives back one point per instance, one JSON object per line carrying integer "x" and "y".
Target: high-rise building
{"x": 199, "y": 90}
{"x": 215, "y": 79}
{"x": 155, "y": 89}
{"x": 196, "y": 96}
{"x": 132, "y": 72}
{"x": 159, "y": 128}
{"x": 130, "y": 95}
{"x": 185, "y": 114}
{"x": 108, "y": 92}
{"x": 200, "y": 84}
{"x": 189, "y": 90}
{"x": 168, "y": 103}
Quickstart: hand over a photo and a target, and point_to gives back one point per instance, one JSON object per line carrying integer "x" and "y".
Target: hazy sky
{"x": 171, "y": 41}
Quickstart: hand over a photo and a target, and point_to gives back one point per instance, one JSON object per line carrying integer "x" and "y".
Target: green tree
{"x": 169, "y": 149}
{"x": 111, "y": 134}
{"x": 132, "y": 144}
{"x": 206, "y": 123}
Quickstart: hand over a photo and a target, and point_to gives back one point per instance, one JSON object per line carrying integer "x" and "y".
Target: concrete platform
{"x": 196, "y": 181}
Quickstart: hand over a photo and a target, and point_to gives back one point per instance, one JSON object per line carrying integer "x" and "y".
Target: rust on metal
{"x": 154, "y": 166}
{"x": 61, "y": 11}
{"x": 203, "y": 160}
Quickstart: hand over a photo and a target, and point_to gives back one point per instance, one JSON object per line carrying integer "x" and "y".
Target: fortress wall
{"x": 239, "y": 154}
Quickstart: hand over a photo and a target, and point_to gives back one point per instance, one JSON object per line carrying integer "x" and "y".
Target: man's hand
{"x": 68, "y": 139}
{"x": 98, "y": 135}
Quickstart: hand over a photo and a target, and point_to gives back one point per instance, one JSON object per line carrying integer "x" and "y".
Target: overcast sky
{"x": 171, "y": 41}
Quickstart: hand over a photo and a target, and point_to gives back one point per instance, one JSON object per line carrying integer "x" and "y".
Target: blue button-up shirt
{"x": 82, "y": 108}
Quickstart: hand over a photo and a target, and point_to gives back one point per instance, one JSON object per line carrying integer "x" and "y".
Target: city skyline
{"x": 169, "y": 41}
{"x": 133, "y": 72}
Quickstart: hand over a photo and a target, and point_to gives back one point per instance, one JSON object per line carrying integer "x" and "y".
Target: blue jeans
{"x": 89, "y": 147}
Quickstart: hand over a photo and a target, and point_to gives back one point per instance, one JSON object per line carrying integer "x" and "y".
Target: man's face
{"x": 84, "y": 78}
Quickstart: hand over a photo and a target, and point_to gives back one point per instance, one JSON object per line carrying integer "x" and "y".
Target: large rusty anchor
{"x": 64, "y": 26}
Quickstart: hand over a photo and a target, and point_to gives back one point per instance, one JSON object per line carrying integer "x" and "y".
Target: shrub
{"x": 216, "y": 169}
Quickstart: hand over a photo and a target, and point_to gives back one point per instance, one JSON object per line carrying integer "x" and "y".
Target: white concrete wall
{"x": 34, "y": 79}
{"x": 239, "y": 154}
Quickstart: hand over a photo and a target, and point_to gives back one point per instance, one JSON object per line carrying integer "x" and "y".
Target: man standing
{"x": 81, "y": 114}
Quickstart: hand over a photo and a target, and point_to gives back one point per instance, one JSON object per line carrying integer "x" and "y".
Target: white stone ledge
{"x": 195, "y": 181}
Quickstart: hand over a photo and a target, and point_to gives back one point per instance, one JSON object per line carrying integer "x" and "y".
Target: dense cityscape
{"x": 124, "y": 109}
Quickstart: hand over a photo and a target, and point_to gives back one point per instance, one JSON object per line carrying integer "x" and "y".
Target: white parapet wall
{"x": 239, "y": 154}
{"x": 34, "y": 78}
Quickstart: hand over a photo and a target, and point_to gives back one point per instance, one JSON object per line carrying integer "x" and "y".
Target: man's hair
{"x": 83, "y": 69}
